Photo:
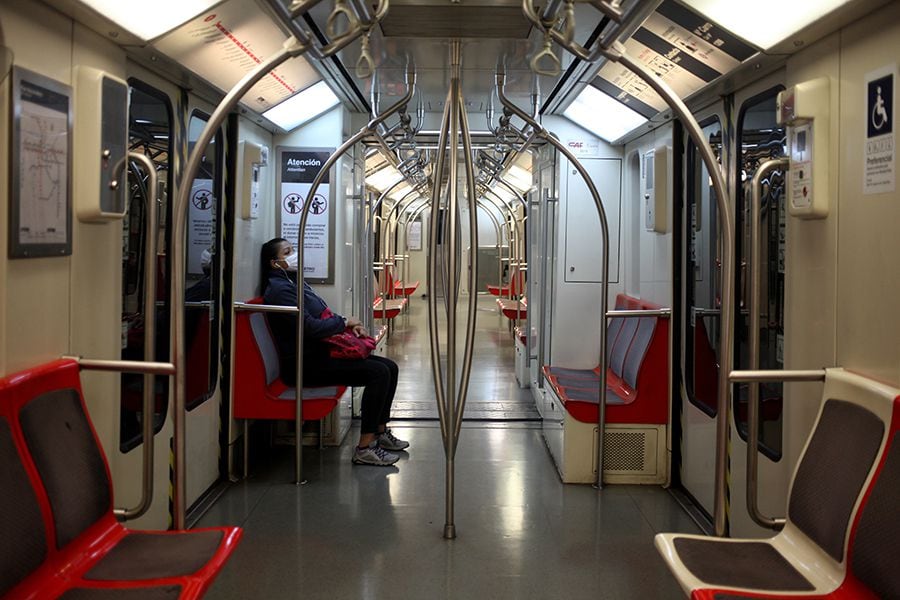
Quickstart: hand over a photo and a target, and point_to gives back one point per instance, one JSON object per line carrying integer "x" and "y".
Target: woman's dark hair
{"x": 267, "y": 254}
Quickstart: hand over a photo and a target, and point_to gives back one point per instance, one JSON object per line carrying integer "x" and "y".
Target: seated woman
{"x": 278, "y": 285}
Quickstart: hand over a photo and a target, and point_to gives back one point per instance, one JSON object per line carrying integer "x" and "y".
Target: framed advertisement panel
{"x": 297, "y": 168}
{"x": 40, "y": 207}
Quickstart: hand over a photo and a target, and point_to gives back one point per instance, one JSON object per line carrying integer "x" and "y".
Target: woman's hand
{"x": 356, "y": 326}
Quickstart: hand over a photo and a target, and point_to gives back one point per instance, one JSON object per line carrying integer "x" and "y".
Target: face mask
{"x": 291, "y": 260}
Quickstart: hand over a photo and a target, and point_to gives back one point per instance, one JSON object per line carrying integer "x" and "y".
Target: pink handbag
{"x": 346, "y": 345}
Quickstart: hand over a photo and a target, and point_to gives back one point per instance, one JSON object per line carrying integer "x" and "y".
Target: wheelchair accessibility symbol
{"x": 293, "y": 204}
{"x": 880, "y": 96}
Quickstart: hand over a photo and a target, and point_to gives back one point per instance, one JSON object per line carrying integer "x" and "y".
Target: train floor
{"x": 493, "y": 394}
{"x": 377, "y": 532}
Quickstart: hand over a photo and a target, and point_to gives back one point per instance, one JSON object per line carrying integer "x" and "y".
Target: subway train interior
{"x": 636, "y": 261}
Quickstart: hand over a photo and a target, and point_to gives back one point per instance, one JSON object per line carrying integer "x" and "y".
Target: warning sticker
{"x": 878, "y": 154}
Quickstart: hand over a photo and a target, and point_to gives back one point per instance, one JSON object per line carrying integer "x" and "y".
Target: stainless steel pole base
{"x": 449, "y": 531}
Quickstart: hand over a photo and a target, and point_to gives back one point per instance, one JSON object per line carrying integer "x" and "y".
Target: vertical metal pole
{"x": 304, "y": 215}
{"x": 753, "y": 350}
{"x": 726, "y": 229}
{"x": 453, "y": 293}
{"x": 431, "y": 275}
{"x": 471, "y": 196}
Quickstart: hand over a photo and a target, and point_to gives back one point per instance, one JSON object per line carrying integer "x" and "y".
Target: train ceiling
{"x": 700, "y": 47}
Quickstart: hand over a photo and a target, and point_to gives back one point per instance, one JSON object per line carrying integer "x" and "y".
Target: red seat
{"x": 258, "y": 391}
{"x": 517, "y": 283}
{"x": 637, "y": 389}
{"x": 58, "y": 493}
{"x": 513, "y": 309}
{"x": 387, "y": 308}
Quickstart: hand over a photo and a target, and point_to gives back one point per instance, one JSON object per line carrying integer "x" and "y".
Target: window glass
{"x": 700, "y": 370}
{"x": 201, "y": 270}
{"x": 149, "y": 132}
{"x": 760, "y": 139}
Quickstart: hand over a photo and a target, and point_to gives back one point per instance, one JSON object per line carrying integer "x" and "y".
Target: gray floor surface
{"x": 375, "y": 532}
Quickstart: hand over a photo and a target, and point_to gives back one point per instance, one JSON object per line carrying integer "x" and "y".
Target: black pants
{"x": 376, "y": 373}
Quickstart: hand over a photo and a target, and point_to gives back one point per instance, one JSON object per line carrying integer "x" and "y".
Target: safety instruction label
{"x": 878, "y": 155}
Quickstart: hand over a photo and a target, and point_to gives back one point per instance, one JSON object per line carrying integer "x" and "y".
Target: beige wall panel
{"x": 97, "y": 270}
{"x": 35, "y": 307}
{"x": 868, "y": 334}
{"x": 41, "y": 38}
{"x": 811, "y": 266}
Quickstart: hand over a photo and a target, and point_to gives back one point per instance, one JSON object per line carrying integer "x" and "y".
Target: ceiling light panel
{"x": 602, "y": 115}
{"x": 148, "y": 21}
{"x": 302, "y": 107}
{"x": 764, "y": 22}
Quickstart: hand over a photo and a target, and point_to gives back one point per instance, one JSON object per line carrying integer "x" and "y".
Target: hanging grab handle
{"x": 341, "y": 11}
{"x": 365, "y": 66}
{"x": 553, "y": 65}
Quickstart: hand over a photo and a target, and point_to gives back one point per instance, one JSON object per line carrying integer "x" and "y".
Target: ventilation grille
{"x": 624, "y": 451}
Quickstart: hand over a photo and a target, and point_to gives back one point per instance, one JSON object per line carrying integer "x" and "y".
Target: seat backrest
{"x": 638, "y": 350}
{"x": 839, "y": 458}
{"x": 876, "y": 544}
{"x": 64, "y": 447}
{"x": 255, "y": 369}
{"x": 21, "y": 524}
{"x": 265, "y": 344}
{"x": 622, "y": 343}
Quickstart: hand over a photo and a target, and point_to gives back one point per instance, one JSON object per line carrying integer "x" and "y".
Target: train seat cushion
{"x": 140, "y": 556}
{"x": 637, "y": 352}
{"x": 25, "y": 545}
{"x": 833, "y": 470}
{"x": 68, "y": 460}
{"x": 740, "y": 564}
{"x": 589, "y": 374}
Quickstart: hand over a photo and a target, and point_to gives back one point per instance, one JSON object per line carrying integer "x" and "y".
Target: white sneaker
{"x": 389, "y": 441}
{"x": 373, "y": 455}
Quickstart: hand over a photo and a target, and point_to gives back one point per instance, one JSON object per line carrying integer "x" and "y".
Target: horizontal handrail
{"x": 777, "y": 375}
{"x": 263, "y": 308}
{"x": 649, "y": 312}
{"x": 198, "y": 304}
{"x": 124, "y": 366}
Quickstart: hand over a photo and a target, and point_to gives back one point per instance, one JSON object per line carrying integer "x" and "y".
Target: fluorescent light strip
{"x": 764, "y": 22}
{"x": 602, "y": 115}
{"x": 302, "y": 107}
{"x": 149, "y": 20}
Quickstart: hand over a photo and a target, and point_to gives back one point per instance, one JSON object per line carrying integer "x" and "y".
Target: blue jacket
{"x": 282, "y": 289}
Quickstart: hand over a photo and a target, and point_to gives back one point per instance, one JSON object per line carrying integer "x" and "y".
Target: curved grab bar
{"x": 149, "y": 389}
{"x": 538, "y": 129}
{"x": 753, "y": 350}
{"x": 291, "y": 48}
